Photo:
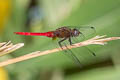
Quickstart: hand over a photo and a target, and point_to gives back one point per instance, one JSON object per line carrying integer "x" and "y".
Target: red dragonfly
{"x": 65, "y": 33}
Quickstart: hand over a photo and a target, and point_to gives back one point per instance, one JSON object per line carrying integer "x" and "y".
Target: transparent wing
{"x": 84, "y": 28}
{"x": 69, "y": 53}
{"x": 74, "y": 39}
{"x": 72, "y": 55}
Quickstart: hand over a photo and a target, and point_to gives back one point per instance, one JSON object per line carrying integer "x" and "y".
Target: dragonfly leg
{"x": 70, "y": 40}
{"x": 61, "y": 42}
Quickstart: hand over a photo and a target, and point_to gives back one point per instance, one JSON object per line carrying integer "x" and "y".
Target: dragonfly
{"x": 64, "y": 33}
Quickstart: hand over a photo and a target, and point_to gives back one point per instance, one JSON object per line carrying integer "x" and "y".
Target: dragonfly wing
{"x": 69, "y": 53}
{"x": 84, "y": 28}
{"x": 74, "y": 57}
{"x": 77, "y": 40}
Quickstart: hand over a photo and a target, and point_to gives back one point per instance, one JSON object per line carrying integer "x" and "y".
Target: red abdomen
{"x": 47, "y": 34}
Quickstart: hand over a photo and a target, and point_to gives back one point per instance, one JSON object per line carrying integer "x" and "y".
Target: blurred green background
{"x": 47, "y": 15}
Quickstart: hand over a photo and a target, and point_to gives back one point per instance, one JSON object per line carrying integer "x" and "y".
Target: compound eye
{"x": 76, "y": 33}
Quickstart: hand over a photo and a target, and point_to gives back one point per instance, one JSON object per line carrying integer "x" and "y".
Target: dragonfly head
{"x": 75, "y": 32}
